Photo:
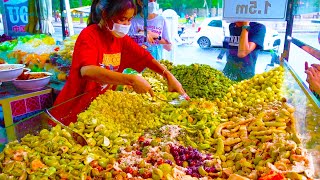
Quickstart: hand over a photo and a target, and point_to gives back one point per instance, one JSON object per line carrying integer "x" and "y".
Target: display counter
{"x": 130, "y": 151}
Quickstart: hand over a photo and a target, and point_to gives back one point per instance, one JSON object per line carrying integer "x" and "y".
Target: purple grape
{"x": 146, "y": 143}
{"x": 138, "y": 153}
{"x": 208, "y": 157}
{"x": 173, "y": 148}
{"x": 212, "y": 169}
{"x": 192, "y": 154}
{"x": 183, "y": 157}
{"x": 189, "y": 171}
{"x": 197, "y": 155}
{"x": 207, "y": 169}
{"x": 187, "y": 156}
{"x": 192, "y": 163}
{"x": 175, "y": 153}
{"x": 178, "y": 162}
{"x": 198, "y": 163}
{"x": 195, "y": 175}
{"x": 168, "y": 162}
{"x": 181, "y": 151}
{"x": 194, "y": 169}
{"x": 190, "y": 148}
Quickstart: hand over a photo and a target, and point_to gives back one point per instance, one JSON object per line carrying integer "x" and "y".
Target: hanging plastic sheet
{"x": 45, "y": 26}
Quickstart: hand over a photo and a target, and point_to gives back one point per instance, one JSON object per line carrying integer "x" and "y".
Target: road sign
{"x": 260, "y": 10}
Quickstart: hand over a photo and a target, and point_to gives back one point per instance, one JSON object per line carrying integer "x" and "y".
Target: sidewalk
{"x": 75, "y": 24}
{"x": 299, "y": 26}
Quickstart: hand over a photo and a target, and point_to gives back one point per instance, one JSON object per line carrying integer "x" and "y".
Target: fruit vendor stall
{"x": 262, "y": 128}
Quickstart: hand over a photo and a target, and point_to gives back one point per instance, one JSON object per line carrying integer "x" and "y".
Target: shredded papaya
{"x": 36, "y": 164}
{"x": 273, "y": 176}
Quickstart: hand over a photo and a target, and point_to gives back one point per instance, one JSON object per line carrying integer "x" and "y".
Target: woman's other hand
{"x": 313, "y": 78}
{"x": 175, "y": 86}
{"x": 151, "y": 37}
{"x": 140, "y": 85}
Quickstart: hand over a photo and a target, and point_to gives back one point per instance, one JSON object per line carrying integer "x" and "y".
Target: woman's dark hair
{"x": 109, "y": 7}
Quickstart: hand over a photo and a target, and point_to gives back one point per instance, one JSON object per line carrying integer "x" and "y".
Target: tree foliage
{"x": 180, "y": 5}
{"x": 165, "y": 4}
{"x": 73, "y": 3}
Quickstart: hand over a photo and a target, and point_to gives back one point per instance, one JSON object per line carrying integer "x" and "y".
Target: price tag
{"x": 259, "y": 10}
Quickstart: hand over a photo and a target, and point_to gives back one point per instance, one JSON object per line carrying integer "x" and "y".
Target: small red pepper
{"x": 56, "y": 49}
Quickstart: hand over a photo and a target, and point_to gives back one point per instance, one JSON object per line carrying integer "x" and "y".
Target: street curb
{"x": 280, "y": 31}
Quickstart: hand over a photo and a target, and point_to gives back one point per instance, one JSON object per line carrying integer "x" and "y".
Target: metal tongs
{"x": 176, "y": 102}
{"x": 76, "y": 136}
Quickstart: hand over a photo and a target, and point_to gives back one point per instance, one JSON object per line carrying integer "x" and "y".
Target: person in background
{"x": 313, "y": 78}
{"x": 158, "y": 34}
{"x": 221, "y": 54}
{"x": 245, "y": 42}
{"x": 224, "y": 48}
{"x": 101, "y": 53}
{"x": 187, "y": 18}
{"x": 194, "y": 17}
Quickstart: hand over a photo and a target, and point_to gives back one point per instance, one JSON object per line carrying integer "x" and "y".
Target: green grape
{"x": 202, "y": 81}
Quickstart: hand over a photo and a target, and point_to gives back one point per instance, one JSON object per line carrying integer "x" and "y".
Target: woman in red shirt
{"x": 102, "y": 51}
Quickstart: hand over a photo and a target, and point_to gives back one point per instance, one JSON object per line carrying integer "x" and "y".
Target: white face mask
{"x": 153, "y": 7}
{"x": 119, "y": 30}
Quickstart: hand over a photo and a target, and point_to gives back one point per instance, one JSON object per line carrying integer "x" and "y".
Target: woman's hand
{"x": 313, "y": 78}
{"x": 151, "y": 37}
{"x": 317, "y": 66}
{"x": 140, "y": 85}
{"x": 175, "y": 86}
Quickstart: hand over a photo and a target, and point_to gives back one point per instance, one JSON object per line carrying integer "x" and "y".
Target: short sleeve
{"x": 134, "y": 56}
{"x": 165, "y": 32}
{"x": 257, "y": 35}
{"x": 85, "y": 50}
{"x": 135, "y": 26}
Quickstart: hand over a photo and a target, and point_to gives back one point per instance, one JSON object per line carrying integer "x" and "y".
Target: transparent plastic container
{"x": 307, "y": 115}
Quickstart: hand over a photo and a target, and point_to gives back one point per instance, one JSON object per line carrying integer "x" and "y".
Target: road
{"x": 188, "y": 54}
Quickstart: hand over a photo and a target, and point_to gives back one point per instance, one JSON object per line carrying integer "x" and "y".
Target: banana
{"x": 202, "y": 172}
{"x": 157, "y": 174}
{"x": 204, "y": 146}
{"x": 191, "y": 143}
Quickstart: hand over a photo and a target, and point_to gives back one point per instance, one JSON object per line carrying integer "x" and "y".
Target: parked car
{"x": 212, "y": 31}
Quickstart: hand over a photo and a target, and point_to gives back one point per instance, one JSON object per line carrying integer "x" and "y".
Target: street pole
{"x": 289, "y": 19}
{"x": 63, "y": 25}
{"x": 40, "y": 15}
{"x": 81, "y": 13}
{"x": 145, "y": 18}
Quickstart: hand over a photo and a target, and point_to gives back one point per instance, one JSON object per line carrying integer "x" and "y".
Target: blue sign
{"x": 259, "y": 10}
{"x": 15, "y": 17}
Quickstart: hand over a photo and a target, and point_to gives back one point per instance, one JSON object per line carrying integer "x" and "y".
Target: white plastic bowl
{"x": 26, "y": 70}
{"x": 9, "y": 72}
{"x": 32, "y": 84}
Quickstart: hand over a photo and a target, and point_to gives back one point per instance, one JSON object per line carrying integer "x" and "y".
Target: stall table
{"x": 16, "y": 104}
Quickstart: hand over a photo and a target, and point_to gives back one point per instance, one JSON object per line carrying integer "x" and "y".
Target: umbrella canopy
{"x": 84, "y": 9}
{"x": 45, "y": 17}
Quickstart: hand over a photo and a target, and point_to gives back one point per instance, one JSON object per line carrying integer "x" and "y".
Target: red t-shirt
{"x": 99, "y": 47}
